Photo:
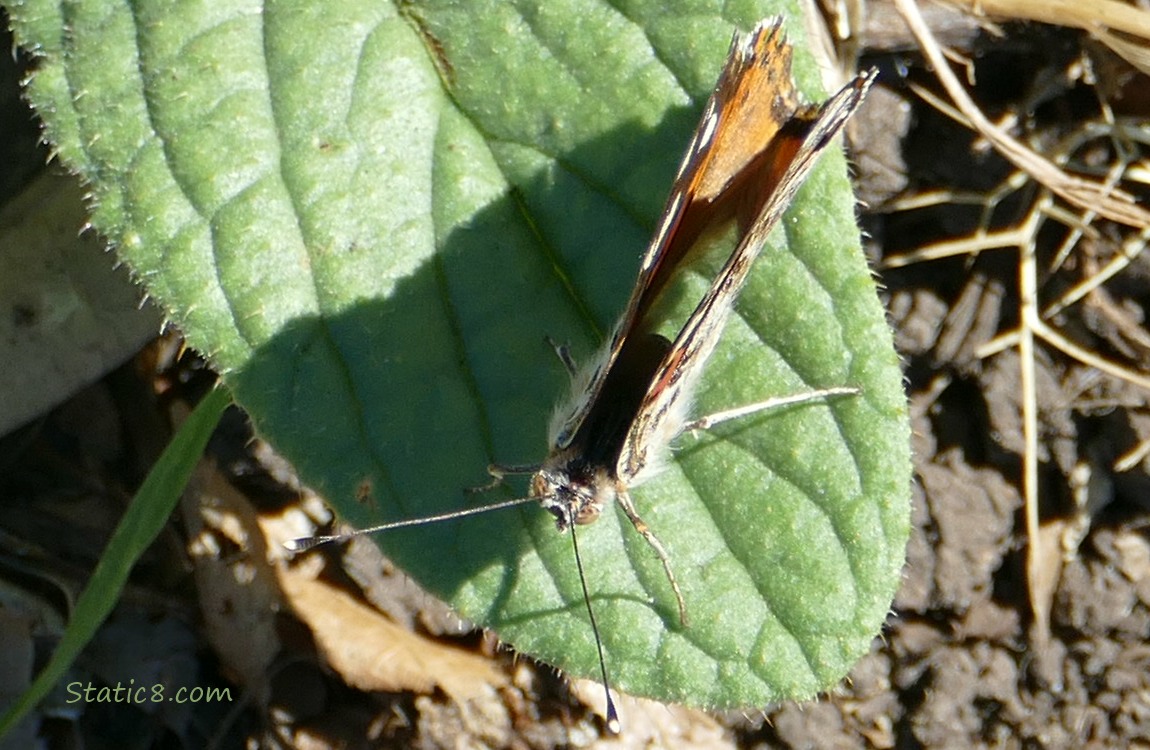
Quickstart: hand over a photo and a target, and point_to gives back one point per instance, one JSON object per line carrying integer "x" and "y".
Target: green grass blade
{"x": 147, "y": 514}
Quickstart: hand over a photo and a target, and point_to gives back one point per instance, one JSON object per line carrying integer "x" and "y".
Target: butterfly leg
{"x": 500, "y": 471}
{"x": 563, "y": 352}
{"x": 709, "y": 421}
{"x": 641, "y": 526}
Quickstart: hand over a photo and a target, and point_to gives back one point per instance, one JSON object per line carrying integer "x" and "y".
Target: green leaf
{"x": 370, "y": 216}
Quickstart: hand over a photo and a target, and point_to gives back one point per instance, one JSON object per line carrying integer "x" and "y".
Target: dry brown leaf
{"x": 1091, "y": 16}
{"x": 650, "y": 724}
{"x": 1107, "y": 201}
{"x": 1134, "y": 51}
{"x": 373, "y": 653}
{"x": 239, "y": 594}
{"x": 1042, "y": 575}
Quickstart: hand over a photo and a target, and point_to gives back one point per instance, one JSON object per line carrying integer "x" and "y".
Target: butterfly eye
{"x": 587, "y": 514}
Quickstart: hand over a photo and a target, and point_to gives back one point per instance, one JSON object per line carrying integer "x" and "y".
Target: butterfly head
{"x": 572, "y": 491}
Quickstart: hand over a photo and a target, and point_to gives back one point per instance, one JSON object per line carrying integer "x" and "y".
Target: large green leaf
{"x": 369, "y": 215}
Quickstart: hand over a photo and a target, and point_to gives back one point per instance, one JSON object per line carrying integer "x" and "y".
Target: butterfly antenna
{"x": 612, "y": 715}
{"x": 310, "y": 542}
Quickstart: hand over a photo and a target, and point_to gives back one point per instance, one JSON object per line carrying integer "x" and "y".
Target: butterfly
{"x": 751, "y": 151}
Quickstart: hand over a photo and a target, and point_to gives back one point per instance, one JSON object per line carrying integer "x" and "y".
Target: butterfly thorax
{"x": 578, "y": 480}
